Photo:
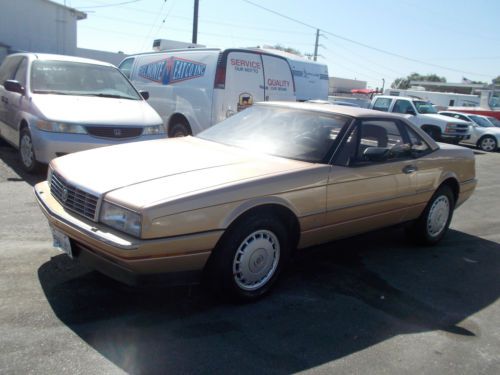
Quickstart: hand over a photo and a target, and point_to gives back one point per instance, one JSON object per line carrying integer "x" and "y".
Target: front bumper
{"x": 125, "y": 258}
{"x": 48, "y": 145}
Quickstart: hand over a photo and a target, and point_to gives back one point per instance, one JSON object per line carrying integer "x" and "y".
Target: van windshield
{"x": 75, "y": 78}
{"x": 424, "y": 107}
{"x": 289, "y": 133}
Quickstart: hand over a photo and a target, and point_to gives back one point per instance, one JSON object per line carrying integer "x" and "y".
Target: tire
{"x": 27, "y": 152}
{"x": 433, "y": 133}
{"x": 179, "y": 129}
{"x": 249, "y": 258}
{"x": 487, "y": 143}
{"x": 433, "y": 223}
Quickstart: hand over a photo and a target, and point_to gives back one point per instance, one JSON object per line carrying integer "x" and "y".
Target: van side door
{"x": 278, "y": 77}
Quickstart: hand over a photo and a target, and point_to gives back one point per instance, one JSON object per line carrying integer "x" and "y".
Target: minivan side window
{"x": 382, "y": 104}
{"x": 126, "y": 67}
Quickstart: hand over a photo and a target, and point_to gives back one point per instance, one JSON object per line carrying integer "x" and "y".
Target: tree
{"x": 287, "y": 49}
{"x": 496, "y": 81}
{"x": 404, "y": 83}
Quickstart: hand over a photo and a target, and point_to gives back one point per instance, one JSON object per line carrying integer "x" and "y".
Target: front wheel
{"x": 487, "y": 143}
{"x": 179, "y": 129}
{"x": 433, "y": 133}
{"x": 27, "y": 152}
{"x": 249, "y": 258}
{"x": 433, "y": 224}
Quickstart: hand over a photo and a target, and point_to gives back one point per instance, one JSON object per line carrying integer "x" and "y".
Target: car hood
{"x": 139, "y": 174}
{"x": 437, "y": 116}
{"x": 95, "y": 110}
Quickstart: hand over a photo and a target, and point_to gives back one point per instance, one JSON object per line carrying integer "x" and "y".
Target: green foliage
{"x": 287, "y": 49}
{"x": 404, "y": 82}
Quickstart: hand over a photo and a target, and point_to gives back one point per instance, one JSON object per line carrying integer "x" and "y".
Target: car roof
{"x": 332, "y": 108}
{"x": 49, "y": 56}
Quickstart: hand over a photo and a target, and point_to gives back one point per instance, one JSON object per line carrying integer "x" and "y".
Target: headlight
{"x": 121, "y": 219}
{"x": 153, "y": 130}
{"x": 60, "y": 127}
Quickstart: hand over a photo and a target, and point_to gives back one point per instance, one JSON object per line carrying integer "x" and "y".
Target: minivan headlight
{"x": 121, "y": 219}
{"x": 153, "y": 130}
{"x": 60, "y": 127}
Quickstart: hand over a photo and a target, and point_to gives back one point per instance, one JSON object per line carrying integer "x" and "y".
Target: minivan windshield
{"x": 424, "y": 107}
{"x": 83, "y": 79}
{"x": 289, "y": 133}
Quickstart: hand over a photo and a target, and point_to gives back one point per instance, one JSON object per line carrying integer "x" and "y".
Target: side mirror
{"x": 144, "y": 94}
{"x": 376, "y": 154}
{"x": 14, "y": 86}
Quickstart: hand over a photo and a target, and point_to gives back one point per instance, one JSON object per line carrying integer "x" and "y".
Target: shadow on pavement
{"x": 334, "y": 300}
{"x": 10, "y": 156}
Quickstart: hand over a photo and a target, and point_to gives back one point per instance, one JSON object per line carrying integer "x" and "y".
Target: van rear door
{"x": 279, "y": 83}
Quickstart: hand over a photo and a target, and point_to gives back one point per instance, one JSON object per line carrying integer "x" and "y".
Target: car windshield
{"x": 290, "y": 133}
{"x": 424, "y": 107}
{"x": 75, "y": 78}
{"x": 481, "y": 121}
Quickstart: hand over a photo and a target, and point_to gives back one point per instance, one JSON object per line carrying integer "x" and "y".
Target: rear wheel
{"x": 432, "y": 225}
{"x": 179, "y": 129}
{"x": 27, "y": 152}
{"x": 249, "y": 258}
{"x": 487, "y": 143}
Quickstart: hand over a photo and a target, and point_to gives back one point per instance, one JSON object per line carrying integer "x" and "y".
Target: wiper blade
{"x": 102, "y": 95}
{"x": 51, "y": 92}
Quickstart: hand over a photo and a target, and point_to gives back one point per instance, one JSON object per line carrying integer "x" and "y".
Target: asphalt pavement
{"x": 372, "y": 304}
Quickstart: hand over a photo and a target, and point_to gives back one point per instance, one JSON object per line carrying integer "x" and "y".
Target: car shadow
{"x": 10, "y": 156}
{"x": 334, "y": 300}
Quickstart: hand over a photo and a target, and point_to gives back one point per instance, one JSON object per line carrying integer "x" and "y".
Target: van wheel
{"x": 179, "y": 129}
{"x": 27, "y": 153}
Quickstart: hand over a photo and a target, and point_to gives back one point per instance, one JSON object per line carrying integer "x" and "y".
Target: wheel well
{"x": 425, "y": 127}
{"x": 484, "y": 136}
{"x": 454, "y": 186}
{"x": 179, "y": 118}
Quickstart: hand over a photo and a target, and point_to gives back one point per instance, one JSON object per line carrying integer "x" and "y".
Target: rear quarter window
{"x": 382, "y": 104}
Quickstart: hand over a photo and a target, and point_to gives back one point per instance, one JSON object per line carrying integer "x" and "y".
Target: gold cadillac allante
{"x": 234, "y": 202}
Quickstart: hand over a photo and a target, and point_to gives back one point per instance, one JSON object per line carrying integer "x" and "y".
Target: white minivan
{"x": 193, "y": 89}
{"x": 53, "y": 105}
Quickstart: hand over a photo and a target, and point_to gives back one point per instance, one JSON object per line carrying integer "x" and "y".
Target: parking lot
{"x": 371, "y": 304}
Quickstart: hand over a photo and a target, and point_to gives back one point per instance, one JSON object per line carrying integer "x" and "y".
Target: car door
{"x": 365, "y": 194}
{"x": 14, "y": 104}
{"x": 7, "y": 71}
{"x": 278, "y": 79}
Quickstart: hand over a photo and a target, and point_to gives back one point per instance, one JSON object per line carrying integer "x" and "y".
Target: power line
{"x": 110, "y": 5}
{"x": 363, "y": 44}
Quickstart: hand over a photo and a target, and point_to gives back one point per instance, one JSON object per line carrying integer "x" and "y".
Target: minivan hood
{"x": 169, "y": 167}
{"x": 95, "y": 110}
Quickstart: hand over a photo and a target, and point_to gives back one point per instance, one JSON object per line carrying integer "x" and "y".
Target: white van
{"x": 195, "y": 88}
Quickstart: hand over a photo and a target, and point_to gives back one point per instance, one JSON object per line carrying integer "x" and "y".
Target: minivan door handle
{"x": 5, "y": 100}
{"x": 410, "y": 169}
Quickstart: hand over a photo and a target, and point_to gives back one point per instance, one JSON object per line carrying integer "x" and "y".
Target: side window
{"x": 382, "y": 104}
{"x": 8, "y": 68}
{"x": 383, "y": 134}
{"x": 403, "y": 106}
{"x": 126, "y": 67}
{"x": 21, "y": 72}
{"x": 418, "y": 146}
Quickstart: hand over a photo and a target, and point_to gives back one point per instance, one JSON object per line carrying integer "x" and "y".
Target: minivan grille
{"x": 114, "y": 131}
{"x": 72, "y": 198}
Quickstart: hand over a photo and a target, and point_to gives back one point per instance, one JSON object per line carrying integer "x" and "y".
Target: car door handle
{"x": 5, "y": 100}
{"x": 410, "y": 169}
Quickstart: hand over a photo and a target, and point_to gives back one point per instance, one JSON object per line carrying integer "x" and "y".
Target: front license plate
{"x": 61, "y": 242}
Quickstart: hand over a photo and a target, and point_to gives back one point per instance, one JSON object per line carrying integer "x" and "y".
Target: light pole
{"x": 383, "y": 84}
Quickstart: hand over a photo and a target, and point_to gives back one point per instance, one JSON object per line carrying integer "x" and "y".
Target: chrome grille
{"x": 72, "y": 198}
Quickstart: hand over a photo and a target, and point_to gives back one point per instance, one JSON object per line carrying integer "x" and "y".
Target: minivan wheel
{"x": 26, "y": 152}
{"x": 178, "y": 130}
{"x": 487, "y": 143}
{"x": 249, "y": 258}
{"x": 432, "y": 225}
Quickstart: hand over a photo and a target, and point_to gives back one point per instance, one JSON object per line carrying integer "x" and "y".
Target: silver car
{"x": 53, "y": 105}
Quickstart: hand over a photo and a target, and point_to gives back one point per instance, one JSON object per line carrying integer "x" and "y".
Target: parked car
{"x": 234, "y": 202}
{"x": 424, "y": 115}
{"x": 485, "y": 135}
{"x": 195, "y": 88}
{"x": 53, "y": 105}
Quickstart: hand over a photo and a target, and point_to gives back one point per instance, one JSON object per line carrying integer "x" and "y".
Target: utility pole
{"x": 316, "y": 46}
{"x": 195, "y": 22}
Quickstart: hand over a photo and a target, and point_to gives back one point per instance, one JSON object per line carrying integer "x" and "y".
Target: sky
{"x": 369, "y": 40}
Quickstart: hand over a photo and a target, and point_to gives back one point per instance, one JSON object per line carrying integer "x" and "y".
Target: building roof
{"x": 78, "y": 13}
